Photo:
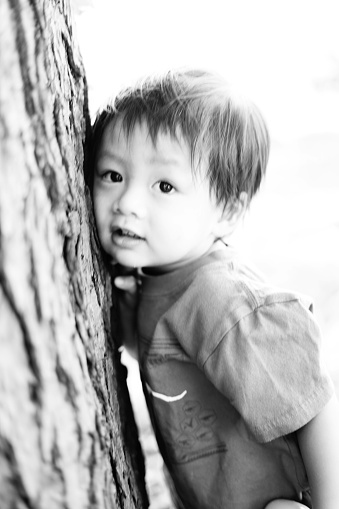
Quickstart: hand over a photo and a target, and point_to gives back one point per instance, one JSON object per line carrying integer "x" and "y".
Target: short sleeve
{"x": 269, "y": 366}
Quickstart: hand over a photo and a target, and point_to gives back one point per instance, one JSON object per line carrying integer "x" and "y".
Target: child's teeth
{"x": 127, "y": 233}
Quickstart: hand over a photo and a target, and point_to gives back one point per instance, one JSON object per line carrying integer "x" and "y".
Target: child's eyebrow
{"x": 165, "y": 161}
{"x": 107, "y": 154}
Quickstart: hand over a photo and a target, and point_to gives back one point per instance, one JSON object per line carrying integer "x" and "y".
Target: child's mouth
{"x": 125, "y": 237}
{"x": 122, "y": 232}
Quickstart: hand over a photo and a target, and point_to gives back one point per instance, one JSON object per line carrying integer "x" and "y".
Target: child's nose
{"x": 131, "y": 201}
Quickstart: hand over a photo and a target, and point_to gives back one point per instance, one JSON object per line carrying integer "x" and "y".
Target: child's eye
{"x": 112, "y": 176}
{"x": 165, "y": 187}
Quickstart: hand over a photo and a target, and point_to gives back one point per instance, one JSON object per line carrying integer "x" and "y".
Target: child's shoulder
{"x": 230, "y": 285}
{"x": 229, "y": 275}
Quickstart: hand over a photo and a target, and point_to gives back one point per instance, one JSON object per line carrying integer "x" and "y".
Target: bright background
{"x": 285, "y": 55}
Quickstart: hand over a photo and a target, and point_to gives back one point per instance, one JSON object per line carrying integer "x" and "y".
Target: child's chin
{"x": 128, "y": 261}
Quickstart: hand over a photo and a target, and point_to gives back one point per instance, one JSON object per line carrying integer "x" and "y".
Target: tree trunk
{"x": 67, "y": 433}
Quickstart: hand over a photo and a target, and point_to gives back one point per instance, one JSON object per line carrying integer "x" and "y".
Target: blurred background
{"x": 284, "y": 54}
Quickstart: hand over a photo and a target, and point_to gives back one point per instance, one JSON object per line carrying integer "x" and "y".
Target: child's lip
{"x": 125, "y": 233}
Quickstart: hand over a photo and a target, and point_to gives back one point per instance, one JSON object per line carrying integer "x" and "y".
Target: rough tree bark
{"x": 67, "y": 434}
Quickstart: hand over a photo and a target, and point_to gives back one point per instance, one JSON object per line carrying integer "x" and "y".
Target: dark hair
{"x": 220, "y": 126}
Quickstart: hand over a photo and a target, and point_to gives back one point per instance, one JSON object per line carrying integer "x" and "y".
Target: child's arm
{"x": 128, "y": 301}
{"x": 319, "y": 445}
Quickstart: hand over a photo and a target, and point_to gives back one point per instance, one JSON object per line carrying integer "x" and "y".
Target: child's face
{"x": 150, "y": 210}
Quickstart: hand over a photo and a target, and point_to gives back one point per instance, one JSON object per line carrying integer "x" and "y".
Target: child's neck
{"x": 160, "y": 271}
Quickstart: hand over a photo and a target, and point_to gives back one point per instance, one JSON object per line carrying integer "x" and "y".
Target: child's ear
{"x": 231, "y": 216}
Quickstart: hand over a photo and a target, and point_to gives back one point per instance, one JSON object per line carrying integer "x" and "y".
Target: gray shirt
{"x": 231, "y": 369}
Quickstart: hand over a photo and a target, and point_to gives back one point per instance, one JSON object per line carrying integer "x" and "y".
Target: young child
{"x": 243, "y": 409}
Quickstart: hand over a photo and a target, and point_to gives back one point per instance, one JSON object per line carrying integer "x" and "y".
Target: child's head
{"x": 175, "y": 158}
{"x": 220, "y": 127}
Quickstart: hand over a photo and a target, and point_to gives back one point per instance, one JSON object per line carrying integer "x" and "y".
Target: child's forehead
{"x": 119, "y": 129}
{"x": 121, "y": 135}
